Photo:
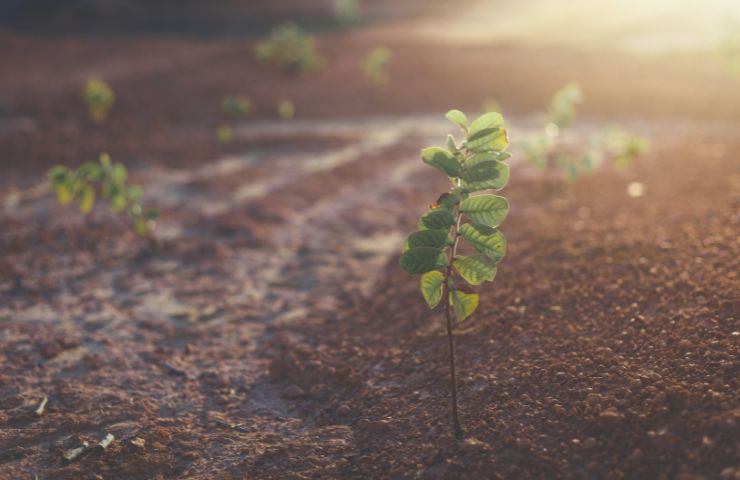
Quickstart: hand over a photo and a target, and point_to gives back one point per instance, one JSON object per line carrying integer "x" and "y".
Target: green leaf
{"x": 91, "y": 171}
{"x": 64, "y": 193}
{"x": 495, "y": 139}
{"x": 451, "y": 143}
{"x": 488, "y": 241}
{"x": 486, "y": 157}
{"x": 134, "y": 193}
{"x": 443, "y": 160}
{"x": 490, "y": 210}
{"x": 447, "y": 201}
{"x": 487, "y": 121}
{"x": 486, "y": 175}
{"x": 422, "y": 259}
{"x": 475, "y": 269}
{"x": 87, "y": 199}
{"x": 117, "y": 203}
{"x": 119, "y": 173}
{"x": 457, "y": 117}
{"x": 439, "y": 219}
{"x": 464, "y": 303}
{"x": 58, "y": 175}
{"x": 431, "y": 287}
{"x": 487, "y": 133}
{"x": 428, "y": 238}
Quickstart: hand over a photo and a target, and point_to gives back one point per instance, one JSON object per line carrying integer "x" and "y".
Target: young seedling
{"x": 224, "y": 134}
{"x": 237, "y": 107}
{"x": 291, "y": 49}
{"x": 490, "y": 104}
{"x": 375, "y": 65}
{"x": 99, "y": 98}
{"x": 463, "y": 213}
{"x": 347, "y": 11}
{"x": 552, "y": 150}
{"x": 285, "y": 109}
{"x": 108, "y": 180}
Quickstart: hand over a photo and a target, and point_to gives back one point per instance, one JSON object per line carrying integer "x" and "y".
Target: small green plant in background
{"x": 563, "y": 106}
{"x": 375, "y": 65}
{"x": 99, "y": 98}
{"x": 109, "y": 181}
{"x": 463, "y": 213}
{"x": 291, "y": 49}
{"x": 285, "y": 109}
{"x": 237, "y": 107}
{"x": 224, "y": 134}
{"x": 551, "y": 149}
{"x": 490, "y": 104}
{"x": 729, "y": 46}
{"x": 347, "y": 11}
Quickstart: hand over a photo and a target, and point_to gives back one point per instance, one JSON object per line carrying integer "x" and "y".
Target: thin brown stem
{"x": 449, "y": 292}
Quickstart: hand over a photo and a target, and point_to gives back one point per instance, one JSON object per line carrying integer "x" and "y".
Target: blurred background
{"x": 171, "y": 63}
{"x": 221, "y": 289}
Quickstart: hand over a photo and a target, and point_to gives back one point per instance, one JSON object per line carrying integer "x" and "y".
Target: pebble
{"x": 293, "y": 392}
{"x": 377, "y": 426}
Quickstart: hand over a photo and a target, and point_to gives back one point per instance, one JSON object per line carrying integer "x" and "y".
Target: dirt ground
{"x": 270, "y": 333}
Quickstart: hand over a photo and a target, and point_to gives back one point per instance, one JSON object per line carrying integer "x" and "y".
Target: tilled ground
{"x": 269, "y": 332}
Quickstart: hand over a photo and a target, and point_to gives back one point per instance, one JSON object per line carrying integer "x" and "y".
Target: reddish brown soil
{"x": 270, "y": 333}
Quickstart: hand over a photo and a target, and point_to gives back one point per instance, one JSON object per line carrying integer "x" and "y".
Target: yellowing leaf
{"x": 431, "y": 287}
{"x": 463, "y": 303}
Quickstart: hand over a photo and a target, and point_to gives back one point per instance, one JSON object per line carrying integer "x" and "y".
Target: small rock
{"x": 293, "y": 392}
{"x": 377, "y": 426}
{"x": 729, "y": 473}
{"x": 589, "y": 443}
{"x": 344, "y": 410}
{"x": 138, "y": 442}
{"x": 473, "y": 445}
{"x": 610, "y": 416}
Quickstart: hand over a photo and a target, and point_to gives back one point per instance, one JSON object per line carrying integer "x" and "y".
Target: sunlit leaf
{"x": 431, "y": 287}
{"x": 119, "y": 173}
{"x": 464, "y": 303}
{"x": 486, "y": 157}
{"x": 489, "y": 210}
{"x": 443, "y": 160}
{"x": 87, "y": 199}
{"x": 457, "y": 117}
{"x": 491, "y": 174}
{"x": 475, "y": 269}
{"x": 488, "y": 241}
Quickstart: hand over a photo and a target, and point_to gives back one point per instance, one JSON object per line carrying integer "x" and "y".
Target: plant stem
{"x": 450, "y": 283}
{"x": 457, "y": 430}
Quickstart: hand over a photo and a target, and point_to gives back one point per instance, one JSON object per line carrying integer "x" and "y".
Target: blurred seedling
{"x": 551, "y": 149}
{"x": 290, "y": 48}
{"x": 107, "y": 180}
{"x": 474, "y": 166}
{"x": 99, "y": 98}
{"x": 347, "y": 11}
{"x": 375, "y": 65}
{"x": 224, "y": 134}
{"x": 285, "y": 110}
{"x": 490, "y": 104}
{"x": 729, "y": 45}
{"x": 237, "y": 107}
